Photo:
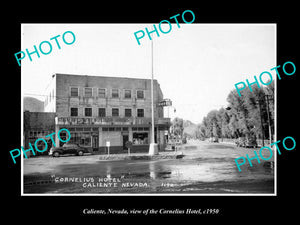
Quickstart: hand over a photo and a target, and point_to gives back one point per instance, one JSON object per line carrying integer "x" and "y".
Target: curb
{"x": 139, "y": 157}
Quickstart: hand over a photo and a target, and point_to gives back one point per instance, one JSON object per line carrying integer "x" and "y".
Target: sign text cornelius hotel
{"x": 108, "y": 121}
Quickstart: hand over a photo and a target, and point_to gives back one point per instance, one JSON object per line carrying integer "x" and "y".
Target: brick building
{"x": 97, "y": 109}
{"x": 38, "y": 125}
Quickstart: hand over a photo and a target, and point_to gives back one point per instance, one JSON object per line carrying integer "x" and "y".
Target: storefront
{"x": 94, "y": 136}
{"x": 140, "y": 135}
{"x": 84, "y": 136}
{"x": 38, "y": 125}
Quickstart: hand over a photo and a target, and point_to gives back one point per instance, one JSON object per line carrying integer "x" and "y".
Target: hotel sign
{"x": 101, "y": 121}
{"x": 165, "y": 102}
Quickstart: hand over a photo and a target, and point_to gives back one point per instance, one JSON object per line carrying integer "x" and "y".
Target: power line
{"x": 47, "y": 96}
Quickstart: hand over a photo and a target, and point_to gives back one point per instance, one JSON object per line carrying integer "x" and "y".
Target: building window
{"x": 101, "y": 112}
{"x": 128, "y": 113}
{"x": 140, "y": 94}
{"x": 74, "y": 92}
{"x": 115, "y": 112}
{"x": 140, "y": 112}
{"x": 88, "y": 92}
{"x": 83, "y": 139}
{"x": 64, "y": 136}
{"x": 87, "y": 111}
{"x": 102, "y": 92}
{"x": 140, "y": 138}
{"x": 74, "y": 111}
{"x": 115, "y": 93}
{"x": 127, "y": 94}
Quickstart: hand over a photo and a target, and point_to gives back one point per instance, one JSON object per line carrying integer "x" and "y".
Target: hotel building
{"x": 98, "y": 109}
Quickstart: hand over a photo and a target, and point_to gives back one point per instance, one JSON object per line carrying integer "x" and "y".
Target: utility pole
{"x": 153, "y": 148}
{"x": 269, "y": 97}
{"x": 261, "y": 123}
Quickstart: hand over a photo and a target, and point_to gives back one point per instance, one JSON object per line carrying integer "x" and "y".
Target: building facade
{"x": 97, "y": 110}
{"x": 38, "y": 125}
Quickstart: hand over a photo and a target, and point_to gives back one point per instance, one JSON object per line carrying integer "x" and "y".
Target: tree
{"x": 246, "y": 115}
{"x": 177, "y": 126}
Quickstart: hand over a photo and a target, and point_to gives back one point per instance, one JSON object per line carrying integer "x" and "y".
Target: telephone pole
{"x": 153, "y": 148}
{"x": 266, "y": 100}
{"x": 261, "y": 123}
{"x": 269, "y": 97}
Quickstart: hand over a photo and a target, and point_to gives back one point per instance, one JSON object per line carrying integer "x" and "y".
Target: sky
{"x": 196, "y": 65}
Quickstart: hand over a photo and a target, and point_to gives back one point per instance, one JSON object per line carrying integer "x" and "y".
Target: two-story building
{"x": 98, "y": 109}
{"x": 38, "y": 125}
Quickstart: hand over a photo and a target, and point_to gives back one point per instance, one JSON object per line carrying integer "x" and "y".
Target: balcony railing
{"x": 110, "y": 121}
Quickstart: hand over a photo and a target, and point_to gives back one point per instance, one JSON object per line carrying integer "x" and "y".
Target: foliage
{"x": 245, "y": 116}
{"x": 177, "y": 127}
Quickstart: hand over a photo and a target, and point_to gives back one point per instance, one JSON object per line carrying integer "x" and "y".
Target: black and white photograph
{"x": 148, "y": 112}
{"x": 176, "y": 108}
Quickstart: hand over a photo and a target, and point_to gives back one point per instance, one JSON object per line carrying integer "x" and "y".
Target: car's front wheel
{"x": 55, "y": 154}
{"x": 80, "y": 153}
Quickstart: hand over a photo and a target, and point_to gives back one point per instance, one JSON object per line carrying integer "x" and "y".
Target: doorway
{"x": 125, "y": 139}
{"x": 95, "y": 143}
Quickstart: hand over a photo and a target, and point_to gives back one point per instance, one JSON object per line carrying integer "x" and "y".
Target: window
{"x": 101, "y": 112}
{"x": 88, "y": 92}
{"x": 115, "y": 93}
{"x": 63, "y": 136}
{"x": 74, "y": 111}
{"x": 127, "y": 112}
{"x": 140, "y": 112}
{"x": 127, "y": 94}
{"x": 140, "y": 94}
{"x": 78, "y": 138}
{"x": 102, "y": 92}
{"x": 88, "y": 112}
{"x": 115, "y": 112}
{"x": 140, "y": 138}
{"x": 74, "y": 92}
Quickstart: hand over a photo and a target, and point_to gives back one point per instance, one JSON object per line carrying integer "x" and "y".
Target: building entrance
{"x": 125, "y": 139}
{"x": 95, "y": 143}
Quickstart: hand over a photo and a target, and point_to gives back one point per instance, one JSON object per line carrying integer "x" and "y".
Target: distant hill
{"x": 187, "y": 123}
{"x": 33, "y": 104}
{"x": 189, "y": 128}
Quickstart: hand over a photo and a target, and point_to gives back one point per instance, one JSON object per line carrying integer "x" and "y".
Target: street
{"x": 205, "y": 168}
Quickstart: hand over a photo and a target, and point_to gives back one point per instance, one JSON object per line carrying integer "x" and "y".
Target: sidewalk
{"x": 142, "y": 156}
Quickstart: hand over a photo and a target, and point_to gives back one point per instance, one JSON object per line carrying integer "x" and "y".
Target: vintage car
{"x": 213, "y": 139}
{"x": 246, "y": 142}
{"x": 68, "y": 148}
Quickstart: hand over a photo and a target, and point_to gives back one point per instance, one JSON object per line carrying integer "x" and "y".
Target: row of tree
{"x": 251, "y": 114}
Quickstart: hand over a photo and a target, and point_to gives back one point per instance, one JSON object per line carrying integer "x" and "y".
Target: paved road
{"x": 206, "y": 168}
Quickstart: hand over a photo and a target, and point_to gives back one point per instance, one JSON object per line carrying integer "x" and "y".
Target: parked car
{"x": 213, "y": 139}
{"x": 246, "y": 142}
{"x": 251, "y": 143}
{"x": 240, "y": 142}
{"x": 68, "y": 148}
{"x": 178, "y": 142}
